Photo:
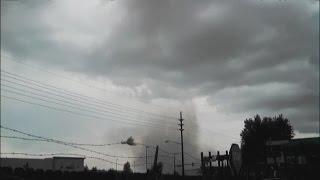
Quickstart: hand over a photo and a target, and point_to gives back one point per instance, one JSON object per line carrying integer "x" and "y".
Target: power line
{"x": 142, "y": 164}
{"x": 114, "y": 115}
{"x": 85, "y": 104}
{"x": 57, "y": 74}
{"x": 72, "y": 143}
{"x": 64, "y": 77}
{"x": 63, "y": 110}
{"x": 44, "y": 139}
{"x": 208, "y": 131}
{"x": 63, "y": 142}
{"x": 153, "y": 146}
{"x": 67, "y": 144}
{"x": 69, "y": 93}
{"x": 75, "y": 113}
{"x": 190, "y": 121}
{"x": 77, "y": 95}
{"x": 188, "y": 154}
{"x": 162, "y": 150}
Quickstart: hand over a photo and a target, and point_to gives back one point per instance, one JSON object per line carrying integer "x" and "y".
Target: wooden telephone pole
{"x": 155, "y": 162}
{"x": 147, "y": 159}
{"x": 181, "y": 134}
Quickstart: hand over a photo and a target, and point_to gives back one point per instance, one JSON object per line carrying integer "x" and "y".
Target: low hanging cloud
{"x": 247, "y": 57}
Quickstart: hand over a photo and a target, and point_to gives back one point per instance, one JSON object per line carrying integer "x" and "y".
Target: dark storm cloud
{"x": 181, "y": 49}
{"x": 299, "y": 104}
{"x": 185, "y": 49}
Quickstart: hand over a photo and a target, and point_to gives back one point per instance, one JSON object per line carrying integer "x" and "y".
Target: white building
{"x": 54, "y": 163}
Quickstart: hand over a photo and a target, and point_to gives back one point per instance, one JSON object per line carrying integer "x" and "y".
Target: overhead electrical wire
{"x": 81, "y": 114}
{"x": 170, "y": 153}
{"x": 98, "y": 107}
{"x": 117, "y": 115}
{"x": 57, "y": 74}
{"x": 68, "y": 144}
{"x": 188, "y": 154}
{"x": 73, "y": 143}
{"x": 39, "y": 68}
{"x": 88, "y": 104}
{"x": 55, "y": 89}
{"x": 40, "y": 138}
{"x": 207, "y": 130}
{"x": 68, "y": 100}
{"x": 65, "y": 77}
{"x": 101, "y": 115}
{"x": 79, "y": 95}
{"x": 75, "y": 113}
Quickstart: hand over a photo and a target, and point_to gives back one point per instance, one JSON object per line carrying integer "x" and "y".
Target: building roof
{"x": 64, "y": 157}
{"x": 305, "y": 141}
{"x": 295, "y": 142}
{"x": 54, "y": 157}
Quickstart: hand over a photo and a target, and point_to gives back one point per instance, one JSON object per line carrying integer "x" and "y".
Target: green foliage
{"x": 258, "y": 131}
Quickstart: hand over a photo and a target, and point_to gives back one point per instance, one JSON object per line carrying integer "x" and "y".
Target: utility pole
{"x": 147, "y": 159}
{"x": 174, "y": 163}
{"x": 155, "y": 162}
{"x": 181, "y": 134}
{"x": 134, "y": 166}
{"x": 117, "y": 164}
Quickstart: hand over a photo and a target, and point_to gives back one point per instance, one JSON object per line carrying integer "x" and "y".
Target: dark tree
{"x": 86, "y": 168}
{"x": 94, "y": 168}
{"x": 126, "y": 168}
{"x": 257, "y": 132}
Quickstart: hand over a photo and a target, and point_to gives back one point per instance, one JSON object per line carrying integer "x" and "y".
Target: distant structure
{"x": 222, "y": 169}
{"x": 295, "y": 152}
{"x": 54, "y": 163}
{"x": 293, "y": 158}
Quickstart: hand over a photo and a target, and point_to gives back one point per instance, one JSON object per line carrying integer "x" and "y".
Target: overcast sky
{"x": 220, "y": 62}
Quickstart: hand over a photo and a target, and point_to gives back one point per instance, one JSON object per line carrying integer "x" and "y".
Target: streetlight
{"x": 174, "y": 154}
{"x": 175, "y": 142}
{"x": 170, "y": 141}
{"x": 174, "y": 163}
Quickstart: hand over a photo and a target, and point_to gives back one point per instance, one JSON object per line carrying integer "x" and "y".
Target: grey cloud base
{"x": 248, "y": 57}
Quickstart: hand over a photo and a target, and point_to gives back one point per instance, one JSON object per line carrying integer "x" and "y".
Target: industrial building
{"x": 293, "y": 152}
{"x": 297, "y": 158}
{"x": 54, "y": 163}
